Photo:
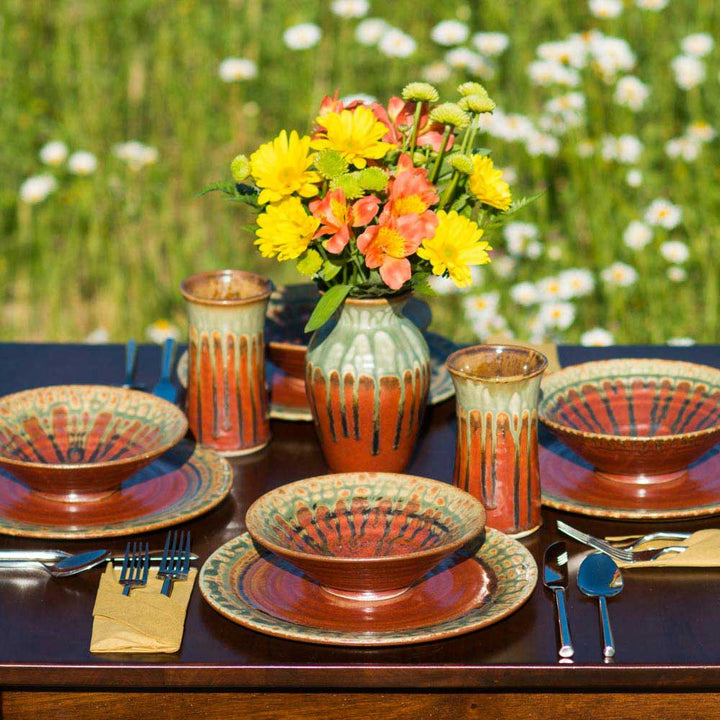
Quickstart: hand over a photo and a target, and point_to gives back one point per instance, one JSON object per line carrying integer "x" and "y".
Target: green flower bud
{"x": 349, "y": 185}
{"x": 372, "y": 179}
{"x": 330, "y": 164}
{"x": 420, "y": 92}
{"x": 477, "y": 104}
{"x": 450, "y": 114}
{"x": 472, "y": 88}
{"x": 419, "y": 158}
{"x": 309, "y": 263}
{"x": 462, "y": 163}
{"x": 240, "y": 168}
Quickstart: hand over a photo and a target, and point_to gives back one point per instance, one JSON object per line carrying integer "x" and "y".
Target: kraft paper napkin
{"x": 549, "y": 350}
{"x": 703, "y": 550}
{"x": 143, "y": 621}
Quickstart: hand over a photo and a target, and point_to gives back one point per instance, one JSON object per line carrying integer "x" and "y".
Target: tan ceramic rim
{"x": 252, "y": 511}
{"x": 517, "y": 349}
{"x": 245, "y": 275}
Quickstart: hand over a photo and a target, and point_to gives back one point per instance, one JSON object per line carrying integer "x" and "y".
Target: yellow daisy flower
{"x": 280, "y": 168}
{"x": 355, "y": 134}
{"x": 455, "y": 246}
{"x": 285, "y": 229}
{"x": 487, "y": 185}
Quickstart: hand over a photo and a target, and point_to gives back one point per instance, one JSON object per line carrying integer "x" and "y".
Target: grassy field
{"x": 107, "y": 248}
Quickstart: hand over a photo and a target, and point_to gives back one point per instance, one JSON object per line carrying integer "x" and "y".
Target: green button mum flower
{"x": 420, "y": 92}
{"x": 477, "y": 103}
{"x": 349, "y": 185}
{"x": 240, "y": 168}
{"x": 330, "y": 164}
{"x": 450, "y": 114}
{"x": 462, "y": 163}
{"x": 372, "y": 179}
{"x": 472, "y": 88}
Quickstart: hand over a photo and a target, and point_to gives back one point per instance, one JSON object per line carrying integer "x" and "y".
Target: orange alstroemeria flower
{"x": 399, "y": 118}
{"x": 388, "y": 245}
{"x": 337, "y": 217}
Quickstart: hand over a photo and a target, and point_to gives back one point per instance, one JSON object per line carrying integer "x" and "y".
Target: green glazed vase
{"x": 367, "y": 377}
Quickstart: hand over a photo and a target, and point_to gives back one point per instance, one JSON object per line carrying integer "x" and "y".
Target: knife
{"x": 17, "y": 558}
{"x": 555, "y": 578}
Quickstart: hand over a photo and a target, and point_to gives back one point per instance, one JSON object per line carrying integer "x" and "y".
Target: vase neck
{"x": 373, "y": 313}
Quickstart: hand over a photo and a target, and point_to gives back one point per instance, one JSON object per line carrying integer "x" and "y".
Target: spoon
{"x": 600, "y": 577}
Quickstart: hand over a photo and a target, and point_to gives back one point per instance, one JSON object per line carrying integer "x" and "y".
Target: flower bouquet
{"x": 370, "y": 206}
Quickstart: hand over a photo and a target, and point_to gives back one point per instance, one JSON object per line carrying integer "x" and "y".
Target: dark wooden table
{"x": 665, "y": 622}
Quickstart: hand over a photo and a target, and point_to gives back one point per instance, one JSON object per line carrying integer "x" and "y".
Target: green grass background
{"x": 110, "y": 250}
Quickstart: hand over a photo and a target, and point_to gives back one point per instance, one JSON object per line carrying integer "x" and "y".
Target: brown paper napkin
{"x": 144, "y": 621}
{"x": 549, "y": 350}
{"x": 703, "y": 550}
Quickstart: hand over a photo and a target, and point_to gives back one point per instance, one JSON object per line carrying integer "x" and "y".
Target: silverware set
{"x": 174, "y": 563}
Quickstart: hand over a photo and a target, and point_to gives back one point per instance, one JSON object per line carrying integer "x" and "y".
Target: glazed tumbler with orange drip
{"x": 367, "y": 380}
{"x": 496, "y": 457}
{"x": 227, "y": 402}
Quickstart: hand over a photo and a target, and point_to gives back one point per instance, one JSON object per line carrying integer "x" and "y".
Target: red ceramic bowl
{"x": 365, "y": 536}
{"x": 77, "y": 443}
{"x": 637, "y": 421}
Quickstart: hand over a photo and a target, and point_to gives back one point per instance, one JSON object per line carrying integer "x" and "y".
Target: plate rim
{"x": 318, "y": 636}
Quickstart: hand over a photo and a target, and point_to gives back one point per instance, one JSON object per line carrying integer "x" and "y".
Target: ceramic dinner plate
{"x": 441, "y": 385}
{"x": 569, "y": 483}
{"x": 468, "y": 591}
{"x": 181, "y": 484}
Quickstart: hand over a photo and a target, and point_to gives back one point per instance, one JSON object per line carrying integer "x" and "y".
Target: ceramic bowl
{"x": 365, "y": 536}
{"x": 77, "y": 443}
{"x": 636, "y": 421}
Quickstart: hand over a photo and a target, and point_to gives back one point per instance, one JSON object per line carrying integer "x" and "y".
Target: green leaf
{"x": 234, "y": 191}
{"x": 327, "y": 306}
{"x": 330, "y": 270}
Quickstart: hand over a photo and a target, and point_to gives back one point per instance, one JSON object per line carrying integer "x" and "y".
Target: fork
{"x": 165, "y": 388}
{"x": 175, "y": 563}
{"x": 136, "y": 564}
{"x": 630, "y": 543}
{"x": 616, "y": 553}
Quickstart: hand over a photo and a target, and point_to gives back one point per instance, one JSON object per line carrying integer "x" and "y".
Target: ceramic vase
{"x": 367, "y": 380}
{"x": 496, "y": 456}
{"x": 227, "y": 400}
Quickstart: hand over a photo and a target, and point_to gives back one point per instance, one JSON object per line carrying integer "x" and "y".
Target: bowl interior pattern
{"x": 364, "y": 515}
{"x": 85, "y": 424}
{"x": 633, "y": 398}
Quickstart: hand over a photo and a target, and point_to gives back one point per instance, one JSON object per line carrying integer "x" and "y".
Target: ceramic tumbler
{"x": 496, "y": 456}
{"x": 227, "y": 402}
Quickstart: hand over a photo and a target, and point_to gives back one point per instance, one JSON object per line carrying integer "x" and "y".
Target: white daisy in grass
{"x": 37, "y": 188}
{"x": 511, "y": 127}
{"x": 573, "y": 52}
{"x": 606, "y": 9}
{"x": 610, "y": 56}
{"x": 597, "y": 337}
{"x": 624, "y": 149}
{"x": 481, "y": 306}
{"x": 542, "y": 144}
{"x": 550, "y": 289}
{"x": 554, "y": 252}
{"x": 518, "y": 235}
{"x": 462, "y": 58}
{"x": 491, "y": 44}
{"x": 585, "y": 149}
{"x": 557, "y": 315}
{"x": 619, "y": 274}
{"x": 637, "y": 235}
{"x": 368, "y": 32}
{"x": 350, "y": 8}
{"x": 450, "y": 33}
{"x": 572, "y": 101}
{"x": 98, "y": 336}
{"x": 675, "y": 251}
{"x": 162, "y": 330}
{"x": 509, "y": 175}
{"x": 689, "y": 72}
{"x": 631, "y": 92}
{"x": 137, "y": 155}
{"x": 686, "y": 148}
{"x": 681, "y": 341}
{"x": 486, "y": 326}
{"x": 702, "y": 131}
{"x": 82, "y": 162}
{"x": 652, "y": 5}
{"x": 302, "y": 36}
{"x": 503, "y": 266}
{"x": 663, "y": 213}
{"x": 676, "y": 274}
{"x": 698, "y": 44}
{"x": 237, "y": 69}
{"x": 545, "y": 73}
{"x": 634, "y": 178}
{"x": 396, "y": 43}
{"x": 53, "y": 153}
{"x": 534, "y": 250}
{"x": 576, "y": 282}
{"x": 436, "y": 73}
{"x": 524, "y": 293}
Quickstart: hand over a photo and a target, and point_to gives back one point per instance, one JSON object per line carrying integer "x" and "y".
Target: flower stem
{"x": 450, "y": 190}
{"x": 416, "y": 126}
{"x": 438, "y": 160}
